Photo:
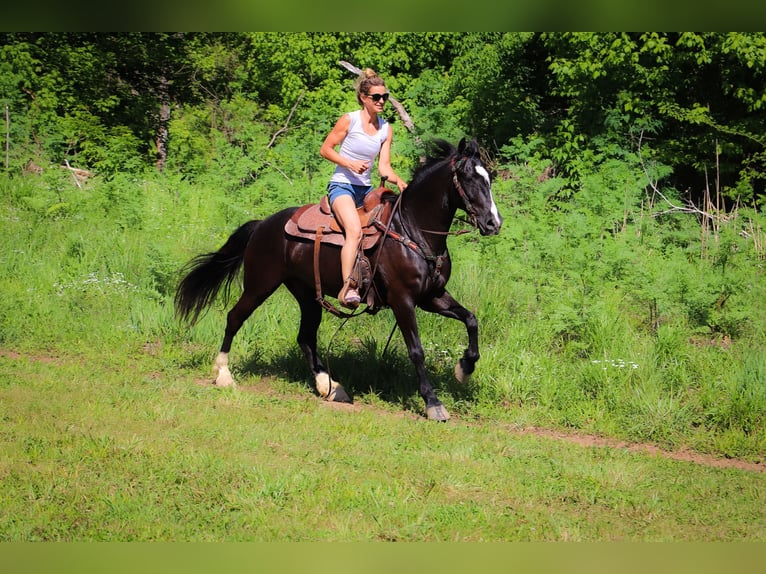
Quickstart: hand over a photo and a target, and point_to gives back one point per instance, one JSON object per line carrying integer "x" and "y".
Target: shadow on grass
{"x": 362, "y": 369}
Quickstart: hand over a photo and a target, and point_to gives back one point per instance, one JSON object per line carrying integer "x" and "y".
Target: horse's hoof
{"x": 225, "y": 384}
{"x": 322, "y": 382}
{"x": 224, "y": 379}
{"x": 338, "y": 394}
{"x": 437, "y": 413}
{"x": 461, "y": 375}
{"x": 330, "y": 389}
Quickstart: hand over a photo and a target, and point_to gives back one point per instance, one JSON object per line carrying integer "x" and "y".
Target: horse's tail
{"x": 207, "y": 273}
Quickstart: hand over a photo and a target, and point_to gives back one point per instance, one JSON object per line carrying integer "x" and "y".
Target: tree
{"x": 264, "y": 101}
{"x": 699, "y": 97}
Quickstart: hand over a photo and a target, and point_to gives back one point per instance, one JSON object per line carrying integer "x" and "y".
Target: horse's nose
{"x": 492, "y": 224}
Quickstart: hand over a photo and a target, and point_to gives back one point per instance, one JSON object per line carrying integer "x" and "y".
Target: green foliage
{"x": 496, "y": 77}
{"x": 738, "y": 399}
{"x": 597, "y": 312}
{"x": 663, "y": 85}
{"x": 264, "y": 101}
{"x": 610, "y": 303}
{"x": 639, "y": 308}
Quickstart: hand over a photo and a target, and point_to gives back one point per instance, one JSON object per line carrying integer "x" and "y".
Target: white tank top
{"x": 358, "y": 145}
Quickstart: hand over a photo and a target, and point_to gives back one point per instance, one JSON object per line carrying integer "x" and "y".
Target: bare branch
{"x": 282, "y": 173}
{"x": 79, "y": 175}
{"x": 406, "y": 120}
{"x": 283, "y": 129}
{"x": 673, "y": 208}
{"x": 405, "y": 117}
{"x": 7, "y": 136}
{"x": 350, "y": 67}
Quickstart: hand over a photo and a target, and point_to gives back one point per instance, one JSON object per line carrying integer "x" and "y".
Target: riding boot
{"x": 349, "y": 295}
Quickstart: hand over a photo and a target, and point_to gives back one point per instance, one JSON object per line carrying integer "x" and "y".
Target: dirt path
{"x": 580, "y": 439}
{"x": 586, "y": 440}
{"x": 682, "y": 455}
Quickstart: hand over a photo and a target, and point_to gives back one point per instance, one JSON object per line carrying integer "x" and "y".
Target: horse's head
{"x": 471, "y": 180}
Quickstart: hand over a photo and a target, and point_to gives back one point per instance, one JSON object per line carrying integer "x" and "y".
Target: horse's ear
{"x": 468, "y": 149}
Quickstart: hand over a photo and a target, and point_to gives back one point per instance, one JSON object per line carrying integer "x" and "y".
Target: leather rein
{"x": 425, "y": 253}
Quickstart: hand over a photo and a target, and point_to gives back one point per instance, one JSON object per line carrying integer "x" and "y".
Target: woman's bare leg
{"x": 345, "y": 212}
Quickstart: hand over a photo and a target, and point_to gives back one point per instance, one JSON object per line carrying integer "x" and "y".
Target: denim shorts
{"x": 358, "y": 192}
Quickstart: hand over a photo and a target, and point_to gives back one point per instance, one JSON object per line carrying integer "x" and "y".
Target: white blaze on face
{"x": 495, "y": 213}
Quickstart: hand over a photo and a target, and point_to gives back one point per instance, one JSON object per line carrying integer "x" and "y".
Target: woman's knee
{"x": 353, "y": 229}
{"x": 346, "y": 214}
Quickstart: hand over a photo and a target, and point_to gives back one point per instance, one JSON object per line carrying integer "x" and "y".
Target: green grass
{"x": 101, "y": 447}
{"x": 110, "y": 430}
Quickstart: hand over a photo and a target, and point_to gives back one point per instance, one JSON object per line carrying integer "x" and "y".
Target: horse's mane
{"x": 439, "y": 151}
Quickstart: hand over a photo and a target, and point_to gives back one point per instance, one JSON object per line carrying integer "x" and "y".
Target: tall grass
{"x": 626, "y": 330}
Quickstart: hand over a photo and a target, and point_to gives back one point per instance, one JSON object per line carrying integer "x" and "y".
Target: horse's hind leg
{"x": 250, "y": 300}
{"x": 311, "y": 317}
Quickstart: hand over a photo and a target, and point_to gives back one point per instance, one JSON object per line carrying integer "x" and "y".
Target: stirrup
{"x": 349, "y": 296}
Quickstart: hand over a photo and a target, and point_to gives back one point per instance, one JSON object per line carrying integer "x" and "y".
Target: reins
{"x": 425, "y": 253}
{"x": 454, "y": 166}
{"x": 416, "y": 247}
{"x": 456, "y": 232}
{"x": 421, "y": 250}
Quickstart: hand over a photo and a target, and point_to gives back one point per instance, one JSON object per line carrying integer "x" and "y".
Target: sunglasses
{"x": 377, "y": 97}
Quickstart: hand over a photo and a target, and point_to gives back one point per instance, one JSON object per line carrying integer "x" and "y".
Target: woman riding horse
{"x": 412, "y": 268}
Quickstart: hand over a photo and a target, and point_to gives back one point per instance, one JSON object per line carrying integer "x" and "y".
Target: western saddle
{"x": 316, "y": 222}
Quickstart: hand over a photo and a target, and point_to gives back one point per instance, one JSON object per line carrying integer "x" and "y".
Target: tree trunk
{"x": 162, "y": 128}
{"x": 7, "y": 137}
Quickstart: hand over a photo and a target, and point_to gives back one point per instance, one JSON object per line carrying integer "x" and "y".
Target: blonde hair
{"x": 367, "y": 79}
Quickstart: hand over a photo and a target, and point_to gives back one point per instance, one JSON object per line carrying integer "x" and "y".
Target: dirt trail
{"x": 580, "y": 439}
{"x": 591, "y": 441}
{"x": 682, "y": 455}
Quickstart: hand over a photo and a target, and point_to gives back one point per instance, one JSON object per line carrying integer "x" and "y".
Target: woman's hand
{"x": 358, "y": 165}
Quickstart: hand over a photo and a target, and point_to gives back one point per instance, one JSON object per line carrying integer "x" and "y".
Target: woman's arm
{"x": 384, "y": 162}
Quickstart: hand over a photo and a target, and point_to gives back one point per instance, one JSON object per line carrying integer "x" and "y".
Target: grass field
{"x": 615, "y": 399}
{"x": 131, "y": 449}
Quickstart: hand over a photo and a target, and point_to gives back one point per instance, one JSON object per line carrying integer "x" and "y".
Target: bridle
{"x": 469, "y": 208}
{"x": 424, "y": 251}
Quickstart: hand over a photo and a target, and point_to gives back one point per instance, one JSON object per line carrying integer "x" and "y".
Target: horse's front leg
{"x": 447, "y": 306}
{"x": 405, "y": 318}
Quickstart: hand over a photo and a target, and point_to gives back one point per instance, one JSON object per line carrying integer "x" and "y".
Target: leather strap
{"x": 318, "y": 280}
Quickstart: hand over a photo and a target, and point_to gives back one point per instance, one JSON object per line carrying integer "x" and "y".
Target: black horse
{"x": 411, "y": 268}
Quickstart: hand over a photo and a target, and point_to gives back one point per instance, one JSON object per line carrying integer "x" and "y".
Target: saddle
{"x": 316, "y": 220}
